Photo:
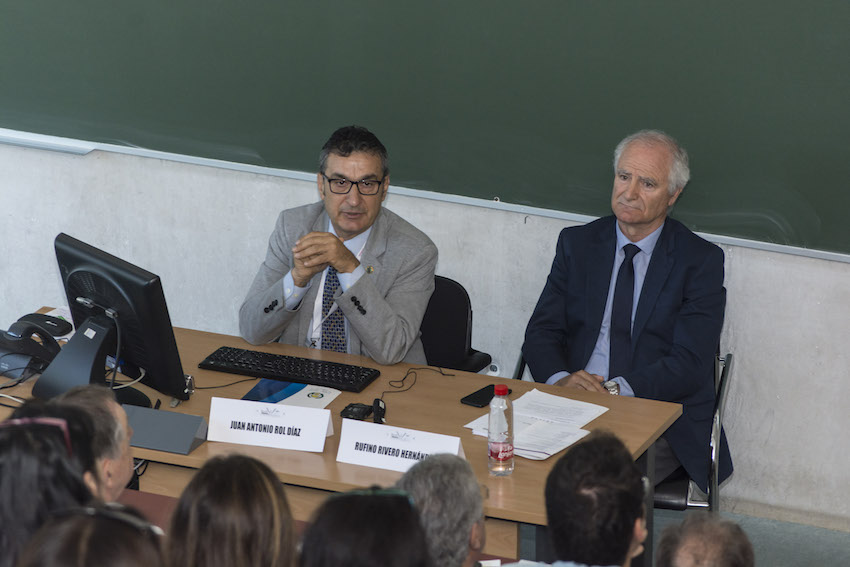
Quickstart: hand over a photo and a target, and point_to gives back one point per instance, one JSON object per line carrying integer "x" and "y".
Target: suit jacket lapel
{"x": 656, "y": 274}
{"x": 600, "y": 256}
{"x": 375, "y": 247}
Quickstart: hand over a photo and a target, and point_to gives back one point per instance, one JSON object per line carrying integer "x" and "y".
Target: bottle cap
{"x": 501, "y": 390}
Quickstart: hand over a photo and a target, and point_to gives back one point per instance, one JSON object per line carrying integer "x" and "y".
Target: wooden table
{"x": 431, "y": 404}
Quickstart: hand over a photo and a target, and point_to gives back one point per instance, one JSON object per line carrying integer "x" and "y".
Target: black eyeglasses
{"x": 52, "y": 421}
{"x": 341, "y": 186}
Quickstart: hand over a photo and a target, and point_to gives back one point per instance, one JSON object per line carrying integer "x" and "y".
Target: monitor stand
{"x": 82, "y": 361}
{"x": 131, "y": 397}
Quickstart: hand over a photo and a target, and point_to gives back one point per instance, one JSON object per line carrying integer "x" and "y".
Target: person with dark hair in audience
{"x": 448, "y": 497}
{"x": 594, "y": 504}
{"x": 111, "y": 440}
{"x": 704, "y": 540}
{"x": 365, "y": 528}
{"x": 46, "y": 464}
{"x": 94, "y": 536}
{"x": 233, "y": 513}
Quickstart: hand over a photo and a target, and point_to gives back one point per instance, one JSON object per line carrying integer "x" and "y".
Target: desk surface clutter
{"x": 432, "y": 403}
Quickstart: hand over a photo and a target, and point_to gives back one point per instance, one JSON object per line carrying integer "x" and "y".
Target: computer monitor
{"x": 115, "y": 306}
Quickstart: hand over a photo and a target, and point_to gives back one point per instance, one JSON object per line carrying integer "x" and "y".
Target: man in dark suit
{"x": 656, "y": 338}
{"x": 344, "y": 273}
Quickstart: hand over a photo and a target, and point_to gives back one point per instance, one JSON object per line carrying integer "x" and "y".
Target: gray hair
{"x": 95, "y": 400}
{"x": 448, "y": 498}
{"x": 680, "y": 172}
{"x": 704, "y": 539}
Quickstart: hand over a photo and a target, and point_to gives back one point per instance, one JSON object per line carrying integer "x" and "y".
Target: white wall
{"x": 204, "y": 231}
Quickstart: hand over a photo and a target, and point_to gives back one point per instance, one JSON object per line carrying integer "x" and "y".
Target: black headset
{"x": 19, "y": 340}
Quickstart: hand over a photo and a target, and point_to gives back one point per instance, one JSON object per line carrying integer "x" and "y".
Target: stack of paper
{"x": 544, "y": 424}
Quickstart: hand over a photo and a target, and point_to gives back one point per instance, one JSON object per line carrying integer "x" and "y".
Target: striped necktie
{"x": 333, "y": 326}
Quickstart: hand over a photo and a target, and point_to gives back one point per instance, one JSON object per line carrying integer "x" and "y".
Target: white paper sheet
{"x": 544, "y": 424}
{"x": 550, "y": 407}
{"x": 543, "y": 439}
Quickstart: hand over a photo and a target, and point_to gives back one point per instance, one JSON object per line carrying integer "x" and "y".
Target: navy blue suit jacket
{"x": 675, "y": 333}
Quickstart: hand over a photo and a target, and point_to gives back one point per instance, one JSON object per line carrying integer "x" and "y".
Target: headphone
{"x": 19, "y": 340}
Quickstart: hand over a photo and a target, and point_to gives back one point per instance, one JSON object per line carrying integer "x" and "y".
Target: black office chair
{"x": 447, "y": 329}
{"x": 674, "y": 492}
{"x": 520, "y": 368}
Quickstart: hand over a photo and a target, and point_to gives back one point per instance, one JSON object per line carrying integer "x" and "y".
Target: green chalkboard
{"x": 518, "y": 100}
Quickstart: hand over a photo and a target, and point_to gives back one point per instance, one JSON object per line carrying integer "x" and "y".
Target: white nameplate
{"x": 391, "y": 448}
{"x": 269, "y": 425}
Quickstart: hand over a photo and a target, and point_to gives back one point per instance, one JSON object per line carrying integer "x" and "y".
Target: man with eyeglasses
{"x": 344, "y": 274}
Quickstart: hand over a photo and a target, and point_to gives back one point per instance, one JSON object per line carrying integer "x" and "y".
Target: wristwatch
{"x": 612, "y": 387}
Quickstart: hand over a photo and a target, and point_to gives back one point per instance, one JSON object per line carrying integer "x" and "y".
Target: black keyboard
{"x": 290, "y": 368}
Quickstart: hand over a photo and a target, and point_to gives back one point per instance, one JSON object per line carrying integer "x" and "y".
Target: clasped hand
{"x": 316, "y": 251}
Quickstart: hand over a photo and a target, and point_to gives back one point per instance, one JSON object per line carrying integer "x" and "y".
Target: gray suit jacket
{"x": 392, "y": 298}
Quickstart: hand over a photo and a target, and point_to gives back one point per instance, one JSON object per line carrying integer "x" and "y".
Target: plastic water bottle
{"x": 500, "y": 434}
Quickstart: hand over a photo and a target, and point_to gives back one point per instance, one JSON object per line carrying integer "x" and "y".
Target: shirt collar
{"x": 646, "y": 244}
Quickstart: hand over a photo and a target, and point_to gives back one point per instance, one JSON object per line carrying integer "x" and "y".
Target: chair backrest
{"x": 724, "y": 369}
{"x": 724, "y": 365}
{"x": 447, "y": 324}
{"x": 520, "y": 367}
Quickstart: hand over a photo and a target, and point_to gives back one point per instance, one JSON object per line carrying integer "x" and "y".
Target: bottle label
{"x": 501, "y": 451}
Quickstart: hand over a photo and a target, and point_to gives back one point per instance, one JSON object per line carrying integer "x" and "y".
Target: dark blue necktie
{"x": 619, "y": 361}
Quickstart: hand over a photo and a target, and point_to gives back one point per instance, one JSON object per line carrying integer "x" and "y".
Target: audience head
{"x": 594, "y": 503}
{"x": 98, "y": 535}
{"x": 233, "y": 513}
{"x": 448, "y": 497}
{"x": 45, "y": 462}
{"x": 111, "y": 440}
{"x": 704, "y": 540}
{"x": 363, "y": 529}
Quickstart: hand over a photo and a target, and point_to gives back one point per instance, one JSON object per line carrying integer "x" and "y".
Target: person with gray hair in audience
{"x": 704, "y": 540}
{"x": 111, "y": 440}
{"x": 448, "y": 498}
